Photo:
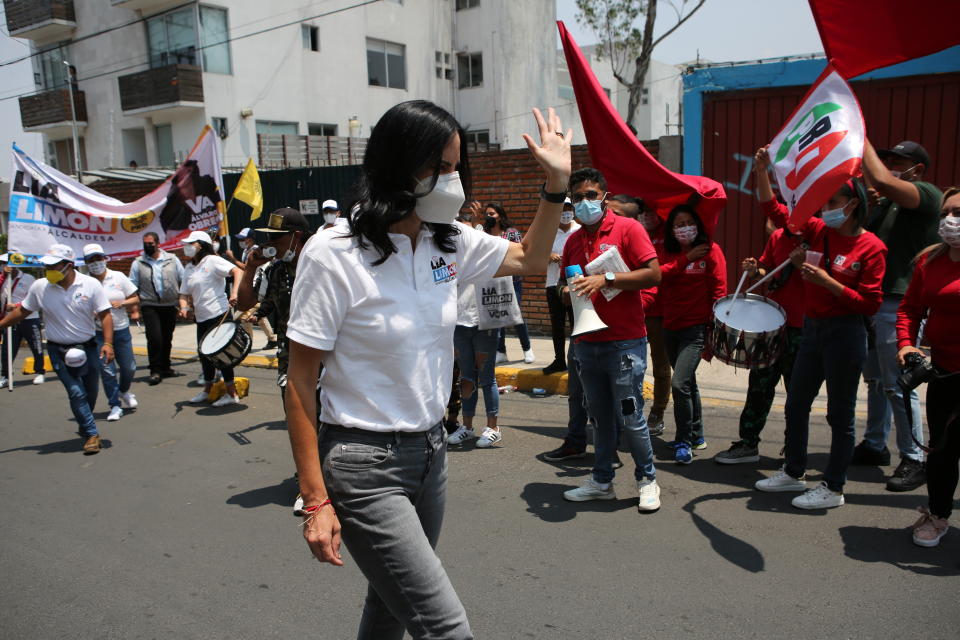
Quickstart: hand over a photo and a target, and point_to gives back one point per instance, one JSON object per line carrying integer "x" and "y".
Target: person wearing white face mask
{"x": 378, "y": 307}
{"x": 842, "y": 273}
{"x": 905, "y": 219}
{"x": 561, "y": 315}
{"x": 116, "y": 375}
{"x": 203, "y": 292}
{"x": 934, "y": 294}
{"x": 16, "y": 283}
{"x": 331, "y": 213}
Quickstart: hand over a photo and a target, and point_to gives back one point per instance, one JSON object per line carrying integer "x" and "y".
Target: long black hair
{"x": 670, "y": 243}
{"x": 408, "y": 138}
{"x": 502, "y": 219}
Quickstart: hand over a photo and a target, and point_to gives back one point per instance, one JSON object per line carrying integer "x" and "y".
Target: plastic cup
{"x": 814, "y": 258}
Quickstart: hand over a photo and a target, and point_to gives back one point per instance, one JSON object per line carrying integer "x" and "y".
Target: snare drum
{"x": 226, "y": 345}
{"x": 751, "y": 335}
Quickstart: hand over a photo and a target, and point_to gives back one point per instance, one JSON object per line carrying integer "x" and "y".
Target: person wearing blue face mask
{"x": 842, "y": 273}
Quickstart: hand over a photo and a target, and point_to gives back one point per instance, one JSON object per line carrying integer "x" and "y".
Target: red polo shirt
{"x": 689, "y": 289}
{"x": 624, "y": 314}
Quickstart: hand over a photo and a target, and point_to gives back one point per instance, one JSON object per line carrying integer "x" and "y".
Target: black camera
{"x": 915, "y": 372}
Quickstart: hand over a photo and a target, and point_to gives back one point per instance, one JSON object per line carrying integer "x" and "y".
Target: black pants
{"x": 558, "y": 313}
{"x": 159, "y": 322}
{"x": 210, "y": 369}
{"x": 943, "y": 461}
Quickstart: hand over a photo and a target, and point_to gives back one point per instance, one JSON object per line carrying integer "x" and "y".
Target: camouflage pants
{"x": 762, "y": 387}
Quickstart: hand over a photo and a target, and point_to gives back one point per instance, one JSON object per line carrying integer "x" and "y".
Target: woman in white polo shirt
{"x": 377, "y": 305}
{"x": 204, "y": 286}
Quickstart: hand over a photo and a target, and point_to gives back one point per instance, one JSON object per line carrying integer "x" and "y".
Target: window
{"x": 172, "y": 39}
{"x": 276, "y": 128}
{"x": 479, "y": 137}
{"x": 219, "y": 126}
{"x": 443, "y": 69}
{"x": 311, "y": 37}
{"x": 386, "y": 64}
{"x": 467, "y": 4}
{"x": 646, "y": 96}
{"x": 165, "y": 156}
{"x": 49, "y": 70}
{"x": 469, "y": 69}
{"x": 316, "y": 129}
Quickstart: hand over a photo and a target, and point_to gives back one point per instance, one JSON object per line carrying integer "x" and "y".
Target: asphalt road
{"x": 182, "y": 528}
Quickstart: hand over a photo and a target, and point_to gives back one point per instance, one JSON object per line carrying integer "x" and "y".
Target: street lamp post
{"x": 71, "y": 78}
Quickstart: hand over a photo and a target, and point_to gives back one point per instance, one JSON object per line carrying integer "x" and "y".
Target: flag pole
{"x": 8, "y": 296}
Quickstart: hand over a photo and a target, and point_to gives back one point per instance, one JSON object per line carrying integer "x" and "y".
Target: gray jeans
{"x": 389, "y": 491}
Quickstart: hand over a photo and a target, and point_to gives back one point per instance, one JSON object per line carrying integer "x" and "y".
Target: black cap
{"x": 285, "y": 220}
{"x": 907, "y": 149}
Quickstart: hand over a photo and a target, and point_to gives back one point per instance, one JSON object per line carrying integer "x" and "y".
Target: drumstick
{"x": 769, "y": 275}
{"x": 737, "y": 292}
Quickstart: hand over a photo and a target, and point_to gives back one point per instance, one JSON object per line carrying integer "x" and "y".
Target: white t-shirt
{"x": 468, "y": 314}
{"x": 389, "y": 328}
{"x": 553, "y": 269}
{"x": 118, "y": 288}
{"x": 21, "y": 285}
{"x": 68, "y": 313}
{"x": 205, "y": 283}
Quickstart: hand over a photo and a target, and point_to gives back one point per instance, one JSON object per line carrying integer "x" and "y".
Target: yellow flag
{"x": 248, "y": 189}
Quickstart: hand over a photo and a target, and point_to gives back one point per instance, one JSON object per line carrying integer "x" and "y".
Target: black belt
{"x": 91, "y": 341}
{"x": 336, "y": 428}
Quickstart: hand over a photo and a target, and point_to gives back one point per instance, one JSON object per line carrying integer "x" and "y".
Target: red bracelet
{"x": 312, "y": 509}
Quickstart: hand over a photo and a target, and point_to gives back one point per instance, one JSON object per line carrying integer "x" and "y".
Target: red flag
{"x": 627, "y": 165}
{"x": 863, "y": 35}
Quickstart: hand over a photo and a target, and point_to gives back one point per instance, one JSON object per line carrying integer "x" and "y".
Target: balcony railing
{"x": 51, "y": 109}
{"x": 276, "y": 150}
{"x": 176, "y": 86}
{"x": 147, "y": 6}
{"x": 40, "y": 20}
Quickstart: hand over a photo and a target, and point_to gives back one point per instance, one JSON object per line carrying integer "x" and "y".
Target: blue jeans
{"x": 521, "y": 328}
{"x": 684, "y": 348}
{"x": 81, "y": 383}
{"x": 389, "y": 491}
{"x": 576, "y": 404}
{"x": 884, "y": 395}
{"x": 123, "y": 364}
{"x": 831, "y": 350}
{"x": 25, "y": 329}
{"x": 476, "y": 353}
{"x": 612, "y": 377}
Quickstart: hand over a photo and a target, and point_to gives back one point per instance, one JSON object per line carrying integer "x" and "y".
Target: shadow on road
{"x": 895, "y": 547}
{"x": 282, "y": 494}
{"x": 271, "y": 425}
{"x": 73, "y": 445}
{"x": 545, "y": 500}
{"x": 731, "y": 548}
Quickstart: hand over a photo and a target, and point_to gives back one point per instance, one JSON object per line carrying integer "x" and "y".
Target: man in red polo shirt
{"x": 612, "y": 362}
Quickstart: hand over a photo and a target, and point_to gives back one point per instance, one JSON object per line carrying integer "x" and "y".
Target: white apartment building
{"x": 286, "y": 82}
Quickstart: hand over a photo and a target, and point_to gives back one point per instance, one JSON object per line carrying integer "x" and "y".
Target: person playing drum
{"x": 204, "y": 287}
{"x": 842, "y": 274}
{"x": 694, "y": 278}
{"x": 786, "y": 289}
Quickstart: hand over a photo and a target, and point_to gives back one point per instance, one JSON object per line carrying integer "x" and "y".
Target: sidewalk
{"x": 720, "y": 384}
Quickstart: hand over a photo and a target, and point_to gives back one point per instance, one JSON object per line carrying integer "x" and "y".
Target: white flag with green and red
{"x": 819, "y": 148}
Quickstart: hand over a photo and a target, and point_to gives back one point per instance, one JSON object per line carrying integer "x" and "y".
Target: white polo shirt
{"x": 206, "y": 284}
{"x": 389, "y": 328}
{"x": 553, "y": 269}
{"x": 21, "y": 285}
{"x": 118, "y": 288}
{"x": 68, "y": 313}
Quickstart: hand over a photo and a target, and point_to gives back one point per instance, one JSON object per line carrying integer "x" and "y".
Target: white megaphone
{"x": 585, "y": 318}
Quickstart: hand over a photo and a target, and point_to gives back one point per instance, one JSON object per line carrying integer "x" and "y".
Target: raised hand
{"x": 553, "y": 152}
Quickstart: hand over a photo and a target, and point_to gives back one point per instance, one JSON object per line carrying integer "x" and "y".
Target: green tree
{"x": 615, "y": 22}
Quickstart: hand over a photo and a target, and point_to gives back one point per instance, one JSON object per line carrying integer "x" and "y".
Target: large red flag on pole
{"x": 863, "y": 35}
{"x": 626, "y": 164}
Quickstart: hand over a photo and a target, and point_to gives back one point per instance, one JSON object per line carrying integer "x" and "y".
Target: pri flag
{"x": 48, "y": 207}
{"x": 863, "y": 35}
{"x": 819, "y": 148}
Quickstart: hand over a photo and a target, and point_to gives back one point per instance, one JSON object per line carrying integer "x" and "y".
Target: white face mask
{"x": 189, "y": 250}
{"x": 685, "y": 234}
{"x": 566, "y": 217}
{"x": 216, "y": 246}
{"x": 329, "y": 218}
{"x": 441, "y": 205}
{"x": 900, "y": 174}
{"x": 950, "y": 231}
{"x": 97, "y": 268}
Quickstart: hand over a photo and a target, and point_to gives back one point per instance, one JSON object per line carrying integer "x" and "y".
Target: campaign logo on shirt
{"x": 695, "y": 268}
{"x": 839, "y": 260}
{"x": 79, "y": 297}
{"x": 442, "y": 272}
{"x": 604, "y": 247}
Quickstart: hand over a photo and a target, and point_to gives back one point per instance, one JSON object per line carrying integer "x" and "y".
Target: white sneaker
{"x": 649, "y": 495}
{"x": 3, "y": 381}
{"x": 820, "y": 497}
{"x": 201, "y": 380}
{"x": 489, "y": 437}
{"x": 128, "y": 401}
{"x": 39, "y": 379}
{"x": 200, "y": 397}
{"x": 590, "y": 490}
{"x": 528, "y": 356}
{"x": 461, "y": 435}
{"x": 298, "y": 505}
{"x": 115, "y": 414}
{"x": 501, "y": 357}
{"x": 781, "y": 481}
{"x": 226, "y": 399}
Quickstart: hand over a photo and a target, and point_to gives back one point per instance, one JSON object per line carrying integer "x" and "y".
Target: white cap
{"x": 198, "y": 236}
{"x": 567, "y": 200}
{"x": 58, "y": 253}
{"x": 93, "y": 250}
{"x": 244, "y": 233}
{"x": 75, "y": 357}
{"x": 330, "y": 204}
